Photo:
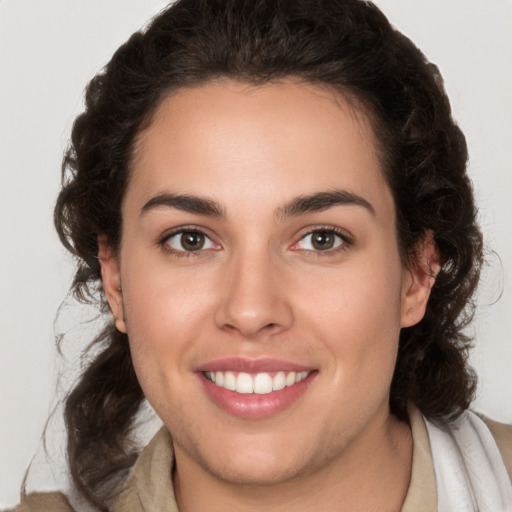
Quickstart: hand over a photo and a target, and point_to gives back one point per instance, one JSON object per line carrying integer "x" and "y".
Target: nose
{"x": 253, "y": 299}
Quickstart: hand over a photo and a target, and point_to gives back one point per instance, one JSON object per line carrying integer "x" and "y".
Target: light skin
{"x": 293, "y": 256}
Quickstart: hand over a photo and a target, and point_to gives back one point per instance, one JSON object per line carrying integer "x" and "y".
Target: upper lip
{"x": 261, "y": 365}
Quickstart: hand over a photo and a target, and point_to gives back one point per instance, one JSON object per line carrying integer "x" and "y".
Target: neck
{"x": 373, "y": 474}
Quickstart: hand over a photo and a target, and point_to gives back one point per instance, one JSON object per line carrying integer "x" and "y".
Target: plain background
{"x": 48, "y": 52}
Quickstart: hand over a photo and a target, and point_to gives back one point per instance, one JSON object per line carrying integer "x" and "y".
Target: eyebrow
{"x": 301, "y": 205}
{"x": 186, "y": 203}
{"x": 321, "y": 201}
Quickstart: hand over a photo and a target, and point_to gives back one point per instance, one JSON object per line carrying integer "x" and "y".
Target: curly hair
{"x": 347, "y": 45}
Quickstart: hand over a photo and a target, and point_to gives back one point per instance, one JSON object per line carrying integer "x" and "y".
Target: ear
{"x": 111, "y": 281}
{"x": 419, "y": 277}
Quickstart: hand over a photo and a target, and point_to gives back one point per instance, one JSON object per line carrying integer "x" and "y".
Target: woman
{"x": 272, "y": 200}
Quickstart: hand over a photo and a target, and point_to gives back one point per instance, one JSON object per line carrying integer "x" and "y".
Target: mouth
{"x": 260, "y": 383}
{"x": 255, "y": 389}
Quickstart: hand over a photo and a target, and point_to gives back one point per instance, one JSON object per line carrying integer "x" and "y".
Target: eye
{"x": 320, "y": 240}
{"x": 189, "y": 241}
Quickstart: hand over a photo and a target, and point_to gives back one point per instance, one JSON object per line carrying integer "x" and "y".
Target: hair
{"x": 347, "y": 45}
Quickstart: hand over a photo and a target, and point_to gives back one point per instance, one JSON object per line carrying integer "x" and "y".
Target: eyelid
{"x": 179, "y": 230}
{"x": 347, "y": 240}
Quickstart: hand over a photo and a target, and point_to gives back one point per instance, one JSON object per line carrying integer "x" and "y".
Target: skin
{"x": 259, "y": 288}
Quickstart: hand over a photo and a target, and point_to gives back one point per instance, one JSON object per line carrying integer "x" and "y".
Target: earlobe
{"x": 111, "y": 281}
{"x": 419, "y": 278}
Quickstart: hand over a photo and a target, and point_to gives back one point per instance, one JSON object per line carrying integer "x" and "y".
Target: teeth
{"x": 290, "y": 379}
{"x": 279, "y": 381}
{"x": 261, "y": 383}
{"x": 302, "y": 376}
{"x": 244, "y": 383}
{"x": 229, "y": 381}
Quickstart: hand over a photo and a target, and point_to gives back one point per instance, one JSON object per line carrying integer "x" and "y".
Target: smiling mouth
{"x": 259, "y": 383}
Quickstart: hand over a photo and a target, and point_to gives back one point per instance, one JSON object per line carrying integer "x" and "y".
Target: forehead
{"x": 229, "y": 138}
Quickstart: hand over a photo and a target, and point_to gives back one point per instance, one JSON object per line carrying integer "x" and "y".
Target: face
{"x": 262, "y": 286}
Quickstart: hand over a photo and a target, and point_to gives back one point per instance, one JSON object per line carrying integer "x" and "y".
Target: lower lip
{"x": 252, "y": 405}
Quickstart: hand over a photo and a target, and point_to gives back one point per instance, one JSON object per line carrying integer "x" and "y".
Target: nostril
{"x": 252, "y": 313}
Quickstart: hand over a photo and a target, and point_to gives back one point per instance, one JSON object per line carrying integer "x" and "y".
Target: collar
{"x": 422, "y": 494}
{"x": 148, "y": 488}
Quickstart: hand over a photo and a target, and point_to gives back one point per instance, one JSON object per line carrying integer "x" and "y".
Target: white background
{"x": 50, "y": 49}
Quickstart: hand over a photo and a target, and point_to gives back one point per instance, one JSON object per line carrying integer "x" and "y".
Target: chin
{"x": 258, "y": 461}
{"x": 248, "y": 472}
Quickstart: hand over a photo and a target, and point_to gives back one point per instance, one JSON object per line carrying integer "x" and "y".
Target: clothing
{"x": 148, "y": 487}
{"x": 470, "y": 473}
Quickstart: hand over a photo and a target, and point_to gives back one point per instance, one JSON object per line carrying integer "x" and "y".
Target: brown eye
{"x": 321, "y": 240}
{"x": 190, "y": 241}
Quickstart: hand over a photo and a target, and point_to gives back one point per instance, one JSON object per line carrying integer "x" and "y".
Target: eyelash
{"x": 346, "y": 241}
{"x": 164, "y": 242}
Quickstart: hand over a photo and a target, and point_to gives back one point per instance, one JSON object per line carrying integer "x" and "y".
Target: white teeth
{"x": 229, "y": 381}
{"x": 301, "y": 376}
{"x": 244, "y": 383}
{"x": 261, "y": 383}
{"x": 290, "y": 379}
{"x": 279, "y": 381}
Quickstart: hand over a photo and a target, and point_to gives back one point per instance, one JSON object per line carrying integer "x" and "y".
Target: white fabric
{"x": 470, "y": 473}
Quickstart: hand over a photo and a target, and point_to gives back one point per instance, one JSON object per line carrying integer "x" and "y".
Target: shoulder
{"x": 44, "y": 502}
{"x": 470, "y": 465}
{"x": 146, "y": 488}
{"x": 502, "y": 434}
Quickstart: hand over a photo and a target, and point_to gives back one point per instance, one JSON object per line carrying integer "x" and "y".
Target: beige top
{"x": 148, "y": 488}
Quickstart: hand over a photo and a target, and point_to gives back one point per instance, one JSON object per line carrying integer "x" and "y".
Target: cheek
{"x": 164, "y": 316}
{"x": 362, "y": 299}
{"x": 356, "y": 316}
{"x": 161, "y": 302}
{"x": 160, "y": 330}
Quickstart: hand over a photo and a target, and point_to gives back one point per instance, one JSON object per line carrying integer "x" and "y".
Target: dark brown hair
{"x": 347, "y": 45}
